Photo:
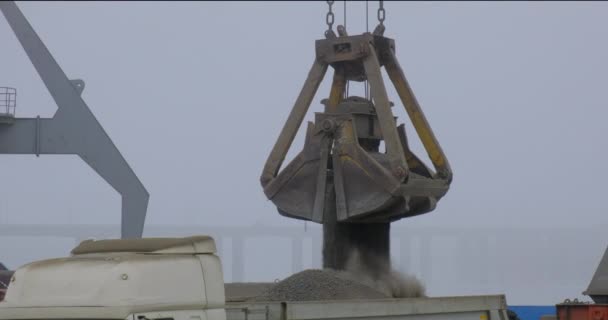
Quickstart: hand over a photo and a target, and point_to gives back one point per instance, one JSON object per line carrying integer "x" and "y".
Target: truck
{"x": 182, "y": 279}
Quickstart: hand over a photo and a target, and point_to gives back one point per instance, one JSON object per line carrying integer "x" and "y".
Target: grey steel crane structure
{"x": 72, "y": 130}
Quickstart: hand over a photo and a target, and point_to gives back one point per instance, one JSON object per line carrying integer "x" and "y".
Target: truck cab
{"x": 134, "y": 279}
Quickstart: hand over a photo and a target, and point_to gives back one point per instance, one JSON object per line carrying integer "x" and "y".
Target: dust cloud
{"x": 382, "y": 277}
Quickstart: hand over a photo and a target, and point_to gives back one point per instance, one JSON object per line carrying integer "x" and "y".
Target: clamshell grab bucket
{"x": 341, "y": 153}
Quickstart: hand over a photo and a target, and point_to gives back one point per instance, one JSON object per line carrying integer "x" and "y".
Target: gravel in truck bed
{"x": 311, "y": 285}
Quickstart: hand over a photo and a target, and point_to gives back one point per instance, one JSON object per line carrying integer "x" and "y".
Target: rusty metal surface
{"x": 340, "y": 153}
{"x": 288, "y": 133}
{"x": 394, "y": 148}
{"x": 575, "y": 310}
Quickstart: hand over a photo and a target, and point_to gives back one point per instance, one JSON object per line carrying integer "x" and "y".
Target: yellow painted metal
{"x": 337, "y": 91}
{"x": 417, "y": 117}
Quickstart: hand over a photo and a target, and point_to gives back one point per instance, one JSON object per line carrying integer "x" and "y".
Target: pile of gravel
{"x": 311, "y": 285}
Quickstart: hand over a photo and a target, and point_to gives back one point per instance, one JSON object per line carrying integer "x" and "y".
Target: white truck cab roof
{"x": 189, "y": 245}
{"x": 112, "y": 279}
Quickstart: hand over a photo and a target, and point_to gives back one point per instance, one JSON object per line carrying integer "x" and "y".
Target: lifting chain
{"x": 381, "y": 13}
{"x": 329, "y": 18}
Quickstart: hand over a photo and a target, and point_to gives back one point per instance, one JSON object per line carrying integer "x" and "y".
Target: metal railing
{"x": 8, "y": 101}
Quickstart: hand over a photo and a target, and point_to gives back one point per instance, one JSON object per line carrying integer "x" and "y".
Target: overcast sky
{"x": 194, "y": 95}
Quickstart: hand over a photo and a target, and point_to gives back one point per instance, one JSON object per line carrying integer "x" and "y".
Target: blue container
{"x": 532, "y": 312}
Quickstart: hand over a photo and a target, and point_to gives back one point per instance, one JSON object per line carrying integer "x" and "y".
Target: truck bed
{"x": 243, "y": 291}
{"x": 491, "y": 307}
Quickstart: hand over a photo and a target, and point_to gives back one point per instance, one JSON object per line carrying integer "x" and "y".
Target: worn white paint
{"x": 116, "y": 284}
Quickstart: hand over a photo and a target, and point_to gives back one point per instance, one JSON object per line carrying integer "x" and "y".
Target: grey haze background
{"x": 194, "y": 95}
